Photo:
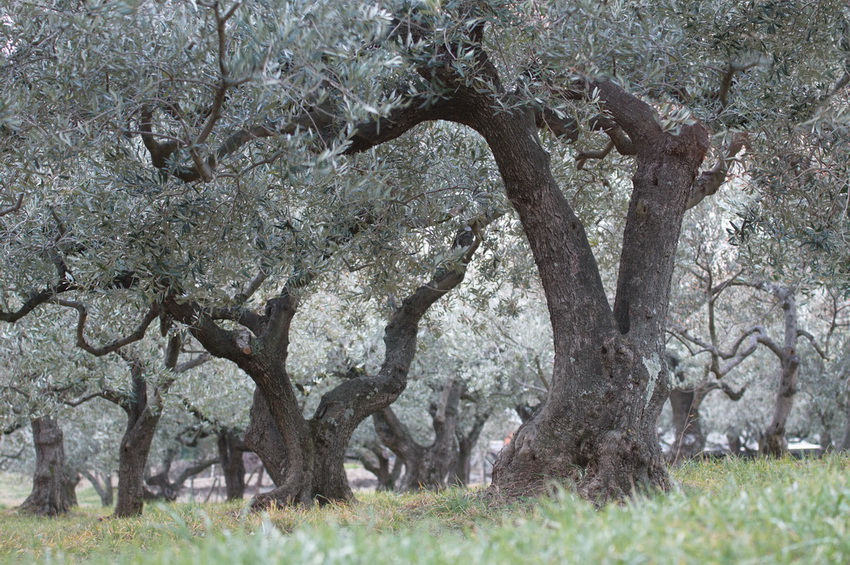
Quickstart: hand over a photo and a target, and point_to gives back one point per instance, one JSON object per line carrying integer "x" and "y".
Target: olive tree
{"x": 230, "y": 95}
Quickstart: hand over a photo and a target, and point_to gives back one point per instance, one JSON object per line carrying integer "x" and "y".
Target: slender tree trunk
{"x": 773, "y": 442}
{"x": 102, "y": 484}
{"x": 70, "y": 482}
{"x": 690, "y": 440}
{"x": 230, "y": 451}
{"x": 466, "y": 443}
{"x": 49, "y": 496}
{"x": 845, "y": 440}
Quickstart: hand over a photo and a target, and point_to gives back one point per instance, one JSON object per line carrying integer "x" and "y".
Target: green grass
{"x": 720, "y": 512}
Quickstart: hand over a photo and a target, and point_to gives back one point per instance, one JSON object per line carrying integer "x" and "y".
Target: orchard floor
{"x": 731, "y": 511}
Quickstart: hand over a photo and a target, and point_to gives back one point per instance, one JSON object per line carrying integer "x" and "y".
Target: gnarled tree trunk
{"x": 597, "y": 425}
{"x": 425, "y": 467}
{"x": 133, "y": 453}
{"x": 306, "y": 458}
{"x": 50, "y": 495}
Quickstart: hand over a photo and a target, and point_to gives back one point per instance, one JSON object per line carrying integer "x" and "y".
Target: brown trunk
{"x": 426, "y": 467}
{"x": 135, "y": 445}
{"x": 49, "y": 496}
{"x": 597, "y": 425}
{"x": 690, "y": 440}
{"x": 230, "y": 451}
{"x": 306, "y": 459}
{"x": 132, "y": 462}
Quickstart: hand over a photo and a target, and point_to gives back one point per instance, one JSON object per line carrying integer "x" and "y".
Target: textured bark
{"x": 49, "y": 496}
{"x": 143, "y": 407}
{"x": 425, "y": 467}
{"x": 306, "y": 458}
{"x": 134, "y": 450}
{"x": 597, "y": 424}
{"x": 230, "y": 452}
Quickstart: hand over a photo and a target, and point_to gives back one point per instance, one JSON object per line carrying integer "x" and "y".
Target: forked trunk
{"x": 597, "y": 426}
{"x": 306, "y": 458}
{"x": 49, "y": 496}
{"x": 425, "y": 467}
{"x": 377, "y": 461}
{"x": 102, "y": 484}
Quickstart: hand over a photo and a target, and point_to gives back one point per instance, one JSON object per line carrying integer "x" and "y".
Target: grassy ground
{"x": 721, "y": 512}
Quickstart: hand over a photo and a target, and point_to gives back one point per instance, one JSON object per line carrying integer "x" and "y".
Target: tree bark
{"x": 466, "y": 442}
{"x": 306, "y": 458}
{"x": 143, "y": 415}
{"x": 426, "y": 467}
{"x": 597, "y": 425}
{"x": 690, "y": 440}
{"x": 50, "y": 495}
{"x": 375, "y": 460}
{"x": 773, "y": 442}
{"x": 230, "y": 451}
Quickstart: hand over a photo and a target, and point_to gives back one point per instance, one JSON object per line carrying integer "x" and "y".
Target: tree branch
{"x": 116, "y": 344}
{"x": 709, "y": 182}
{"x": 14, "y": 207}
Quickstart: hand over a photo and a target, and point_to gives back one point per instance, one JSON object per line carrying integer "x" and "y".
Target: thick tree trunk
{"x": 142, "y": 420}
{"x": 49, "y": 496}
{"x": 597, "y": 425}
{"x": 132, "y": 463}
{"x": 230, "y": 451}
{"x": 690, "y": 440}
